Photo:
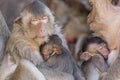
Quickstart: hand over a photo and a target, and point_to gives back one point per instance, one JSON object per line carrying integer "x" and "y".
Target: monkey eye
{"x": 44, "y": 19}
{"x": 35, "y": 21}
{"x": 102, "y": 45}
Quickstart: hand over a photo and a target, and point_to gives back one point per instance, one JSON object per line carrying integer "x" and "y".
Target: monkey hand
{"x": 57, "y": 49}
{"x": 36, "y": 58}
{"x": 33, "y": 56}
{"x": 49, "y": 50}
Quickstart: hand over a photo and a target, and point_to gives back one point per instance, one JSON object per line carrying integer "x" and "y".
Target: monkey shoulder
{"x": 18, "y": 37}
{"x": 20, "y": 46}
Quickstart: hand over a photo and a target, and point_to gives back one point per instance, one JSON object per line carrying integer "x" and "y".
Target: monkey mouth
{"x": 41, "y": 36}
{"x": 52, "y": 54}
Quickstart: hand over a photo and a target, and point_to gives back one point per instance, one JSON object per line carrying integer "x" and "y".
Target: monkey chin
{"x": 41, "y": 39}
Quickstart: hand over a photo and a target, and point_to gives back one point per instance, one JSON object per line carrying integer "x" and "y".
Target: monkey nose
{"x": 42, "y": 31}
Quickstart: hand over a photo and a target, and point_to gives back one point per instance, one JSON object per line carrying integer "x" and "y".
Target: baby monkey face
{"x": 50, "y": 50}
{"x": 99, "y": 48}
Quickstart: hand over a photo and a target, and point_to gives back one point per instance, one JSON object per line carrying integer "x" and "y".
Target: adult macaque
{"x": 103, "y": 23}
{"x": 95, "y": 54}
{"x": 31, "y": 29}
{"x": 107, "y": 28}
{"x": 58, "y": 58}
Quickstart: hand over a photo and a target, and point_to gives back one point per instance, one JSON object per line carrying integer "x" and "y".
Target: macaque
{"x": 58, "y": 58}
{"x": 26, "y": 68}
{"x": 106, "y": 28}
{"x": 93, "y": 45}
{"x": 95, "y": 53}
{"x": 31, "y": 29}
{"x": 52, "y": 47}
{"x": 104, "y": 20}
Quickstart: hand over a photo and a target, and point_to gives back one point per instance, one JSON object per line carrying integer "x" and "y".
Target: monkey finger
{"x": 53, "y": 54}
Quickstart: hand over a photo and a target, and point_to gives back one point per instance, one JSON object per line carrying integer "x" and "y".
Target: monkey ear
{"x": 85, "y": 56}
{"x": 18, "y": 20}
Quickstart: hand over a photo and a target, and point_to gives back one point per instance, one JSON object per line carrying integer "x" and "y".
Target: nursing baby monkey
{"x": 95, "y": 55}
{"x": 58, "y": 58}
{"x": 51, "y": 48}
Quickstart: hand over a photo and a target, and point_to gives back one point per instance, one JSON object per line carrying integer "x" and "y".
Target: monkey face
{"x": 49, "y": 50}
{"x": 38, "y": 25}
{"x": 37, "y": 22}
{"x": 39, "y": 19}
{"x": 98, "y": 48}
{"x": 39, "y": 28}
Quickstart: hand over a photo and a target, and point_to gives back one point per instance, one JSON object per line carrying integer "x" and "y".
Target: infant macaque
{"x": 92, "y": 46}
{"x": 94, "y": 55}
{"x": 52, "y": 47}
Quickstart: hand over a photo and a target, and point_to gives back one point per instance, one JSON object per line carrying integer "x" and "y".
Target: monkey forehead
{"x": 38, "y": 8}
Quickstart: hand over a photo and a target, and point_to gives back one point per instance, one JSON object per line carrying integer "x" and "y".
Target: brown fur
{"x": 104, "y": 20}
{"x": 51, "y": 48}
{"x": 58, "y": 59}
{"x": 25, "y": 39}
{"x": 104, "y": 24}
{"x": 25, "y": 69}
{"x": 93, "y": 68}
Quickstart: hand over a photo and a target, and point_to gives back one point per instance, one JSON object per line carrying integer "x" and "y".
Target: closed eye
{"x": 44, "y": 19}
{"x": 35, "y": 21}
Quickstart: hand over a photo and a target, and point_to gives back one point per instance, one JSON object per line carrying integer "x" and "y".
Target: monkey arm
{"x": 99, "y": 62}
{"x": 25, "y": 49}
